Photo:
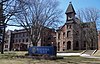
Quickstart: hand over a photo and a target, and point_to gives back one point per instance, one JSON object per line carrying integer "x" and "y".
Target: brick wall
{"x": 99, "y": 40}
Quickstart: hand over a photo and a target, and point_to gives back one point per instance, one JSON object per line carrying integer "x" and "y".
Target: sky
{"x": 77, "y": 4}
{"x": 80, "y": 4}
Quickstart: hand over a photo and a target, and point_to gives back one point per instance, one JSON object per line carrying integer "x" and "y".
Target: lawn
{"x": 66, "y": 60}
{"x": 9, "y": 58}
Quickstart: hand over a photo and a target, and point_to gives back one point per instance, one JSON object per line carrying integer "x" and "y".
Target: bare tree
{"x": 90, "y": 16}
{"x": 8, "y": 9}
{"x": 36, "y": 16}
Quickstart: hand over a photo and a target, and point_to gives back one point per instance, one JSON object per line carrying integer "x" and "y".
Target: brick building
{"x": 7, "y": 44}
{"x": 73, "y": 35}
{"x": 76, "y": 35}
{"x": 99, "y": 40}
{"x": 19, "y": 39}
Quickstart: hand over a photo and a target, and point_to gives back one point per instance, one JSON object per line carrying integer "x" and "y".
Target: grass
{"x": 9, "y": 58}
{"x": 12, "y": 54}
{"x": 81, "y": 60}
{"x": 66, "y": 60}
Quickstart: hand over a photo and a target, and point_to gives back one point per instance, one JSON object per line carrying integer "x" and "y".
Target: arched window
{"x": 23, "y": 40}
{"x": 64, "y": 46}
{"x": 58, "y": 35}
{"x": 84, "y": 44}
{"x": 63, "y": 34}
{"x": 64, "y": 43}
{"x": 68, "y": 45}
{"x": 58, "y": 46}
{"x": 69, "y": 34}
{"x": 27, "y": 40}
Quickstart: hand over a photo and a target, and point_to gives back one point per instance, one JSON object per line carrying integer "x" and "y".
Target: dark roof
{"x": 88, "y": 24}
{"x": 70, "y": 9}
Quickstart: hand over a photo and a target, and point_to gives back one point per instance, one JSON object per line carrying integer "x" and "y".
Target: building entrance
{"x": 68, "y": 45}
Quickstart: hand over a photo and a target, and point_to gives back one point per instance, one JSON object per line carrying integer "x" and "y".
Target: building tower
{"x": 74, "y": 35}
{"x": 70, "y": 13}
{"x": 72, "y": 29}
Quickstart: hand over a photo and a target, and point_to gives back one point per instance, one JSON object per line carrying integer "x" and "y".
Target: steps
{"x": 89, "y": 52}
{"x": 97, "y": 53}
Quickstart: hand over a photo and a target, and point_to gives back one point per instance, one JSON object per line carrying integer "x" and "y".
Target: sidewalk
{"x": 88, "y": 56}
{"x": 68, "y": 54}
{"x": 77, "y": 54}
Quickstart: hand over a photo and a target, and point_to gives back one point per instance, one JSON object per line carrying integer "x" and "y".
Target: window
{"x": 16, "y": 40}
{"x": 58, "y": 46}
{"x": 63, "y": 34}
{"x": 20, "y": 35}
{"x": 69, "y": 34}
{"x": 49, "y": 38}
{"x": 68, "y": 45}
{"x": 6, "y": 46}
{"x": 69, "y": 26}
{"x": 63, "y": 43}
{"x": 77, "y": 44}
{"x": 19, "y": 40}
{"x": 63, "y": 46}
{"x": 92, "y": 42}
{"x": 23, "y": 40}
{"x": 16, "y": 35}
{"x": 27, "y": 40}
{"x": 69, "y": 17}
{"x": 58, "y": 35}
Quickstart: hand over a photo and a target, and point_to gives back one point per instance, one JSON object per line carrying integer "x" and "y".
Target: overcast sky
{"x": 77, "y": 4}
